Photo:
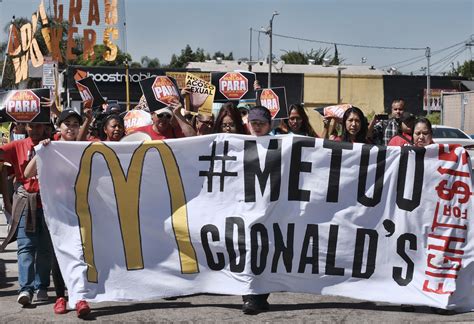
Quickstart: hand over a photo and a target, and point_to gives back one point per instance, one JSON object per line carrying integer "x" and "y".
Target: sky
{"x": 160, "y": 28}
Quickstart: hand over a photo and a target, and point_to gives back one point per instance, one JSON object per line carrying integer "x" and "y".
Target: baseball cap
{"x": 114, "y": 108}
{"x": 66, "y": 113}
{"x": 260, "y": 113}
{"x": 407, "y": 118}
{"x": 165, "y": 110}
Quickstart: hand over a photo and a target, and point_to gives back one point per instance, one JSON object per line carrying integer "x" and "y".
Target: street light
{"x": 270, "y": 59}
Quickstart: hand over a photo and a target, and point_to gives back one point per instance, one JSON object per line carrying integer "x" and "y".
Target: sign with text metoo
{"x": 274, "y": 213}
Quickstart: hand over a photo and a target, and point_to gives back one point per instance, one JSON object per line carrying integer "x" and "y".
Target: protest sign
{"x": 233, "y": 85}
{"x": 202, "y": 94}
{"x": 89, "y": 92}
{"x": 277, "y": 213}
{"x": 336, "y": 111}
{"x": 180, "y": 77}
{"x": 24, "y": 106}
{"x": 160, "y": 91}
{"x": 135, "y": 119}
{"x": 275, "y": 100}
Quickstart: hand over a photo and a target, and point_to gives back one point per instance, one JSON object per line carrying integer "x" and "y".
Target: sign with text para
{"x": 89, "y": 92}
{"x": 275, "y": 100}
{"x": 24, "y": 106}
{"x": 159, "y": 91}
{"x": 202, "y": 94}
{"x": 233, "y": 85}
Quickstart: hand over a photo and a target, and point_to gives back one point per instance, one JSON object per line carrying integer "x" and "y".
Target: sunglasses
{"x": 164, "y": 115}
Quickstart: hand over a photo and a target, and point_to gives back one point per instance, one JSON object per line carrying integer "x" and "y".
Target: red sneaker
{"x": 82, "y": 308}
{"x": 60, "y": 306}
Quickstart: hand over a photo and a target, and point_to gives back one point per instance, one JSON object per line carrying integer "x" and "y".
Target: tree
{"x": 298, "y": 57}
{"x": 229, "y": 57}
{"x": 149, "y": 62}
{"x": 188, "y": 55}
{"x": 465, "y": 70}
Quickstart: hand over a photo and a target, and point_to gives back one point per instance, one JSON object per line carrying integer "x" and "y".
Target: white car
{"x": 452, "y": 135}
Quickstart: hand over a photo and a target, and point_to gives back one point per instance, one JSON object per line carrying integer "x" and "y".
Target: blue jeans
{"x": 34, "y": 254}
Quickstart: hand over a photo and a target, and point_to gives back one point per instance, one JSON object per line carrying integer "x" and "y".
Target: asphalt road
{"x": 285, "y": 307}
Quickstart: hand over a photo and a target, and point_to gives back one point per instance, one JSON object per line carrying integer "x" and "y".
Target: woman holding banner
{"x": 297, "y": 122}
{"x": 69, "y": 123}
{"x": 229, "y": 120}
{"x": 113, "y": 128}
{"x": 354, "y": 127}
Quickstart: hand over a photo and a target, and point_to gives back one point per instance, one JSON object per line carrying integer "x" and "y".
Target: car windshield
{"x": 440, "y": 132}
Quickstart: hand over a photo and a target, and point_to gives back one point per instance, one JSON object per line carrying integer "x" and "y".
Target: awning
{"x": 468, "y": 84}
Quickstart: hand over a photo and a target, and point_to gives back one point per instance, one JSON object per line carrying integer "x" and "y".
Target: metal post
{"x": 428, "y": 79}
{"x": 250, "y": 56}
{"x": 270, "y": 58}
{"x": 6, "y": 50}
{"x": 339, "y": 77}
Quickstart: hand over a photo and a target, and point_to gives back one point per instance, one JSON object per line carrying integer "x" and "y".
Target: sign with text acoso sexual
{"x": 236, "y": 214}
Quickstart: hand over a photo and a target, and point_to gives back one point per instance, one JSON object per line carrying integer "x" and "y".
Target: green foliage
{"x": 149, "y": 62}
{"x": 434, "y": 118}
{"x": 298, "y": 57}
{"x": 466, "y": 69}
{"x": 188, "y": 55}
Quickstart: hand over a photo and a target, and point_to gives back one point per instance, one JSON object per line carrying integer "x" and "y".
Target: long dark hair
{"x": 228, "y": 109}
{"x": 306, "y": 128}
{"x": 361, "y": 136}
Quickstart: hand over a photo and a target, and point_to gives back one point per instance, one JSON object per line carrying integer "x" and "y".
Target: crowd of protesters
{"x": 20, "y": 185}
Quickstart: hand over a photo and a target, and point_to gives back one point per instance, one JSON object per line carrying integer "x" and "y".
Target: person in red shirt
{"x": 168, "y": 122}
{"x": 404, "y": 137}
{"x": 28, "y": 226}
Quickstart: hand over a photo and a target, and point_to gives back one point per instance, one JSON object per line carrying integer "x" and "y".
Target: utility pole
{"x": 270, "y": 58}
{"x": 428, "y": 79}
{"x": 250, "y": 55}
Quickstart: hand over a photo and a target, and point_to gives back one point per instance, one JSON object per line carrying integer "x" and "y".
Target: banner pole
{"x": 127, "y": 85}
{"x": 7, "y": 48}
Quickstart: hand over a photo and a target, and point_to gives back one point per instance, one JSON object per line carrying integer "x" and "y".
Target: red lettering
{"x": 438, "y": 290}
{"x": 447, "y": 240}
{"x": 456, "y": 262}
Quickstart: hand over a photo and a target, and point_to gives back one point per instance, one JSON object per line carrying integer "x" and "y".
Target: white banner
{"x": 236, "y": 214}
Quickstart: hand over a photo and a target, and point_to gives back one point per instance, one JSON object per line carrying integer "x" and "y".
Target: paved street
{"x": 285, "y": 307}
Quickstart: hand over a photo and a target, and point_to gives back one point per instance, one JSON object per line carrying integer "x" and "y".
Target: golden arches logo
{"x": 127, "y": 193}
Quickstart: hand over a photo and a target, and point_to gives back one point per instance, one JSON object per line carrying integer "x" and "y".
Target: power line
{"x": 407, "y": 60}
{"x": 346, "y": 44}
{"x": 447, "y": 57}
{"x": 451, "y": 59}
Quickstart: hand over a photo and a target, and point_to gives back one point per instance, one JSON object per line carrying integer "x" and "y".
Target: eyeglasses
{"x": 229, "y": 125}
{"x": 164, "y": 115}
{"x": 205, "y": 122}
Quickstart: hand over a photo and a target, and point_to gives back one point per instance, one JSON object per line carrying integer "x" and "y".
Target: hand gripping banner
{"x": 235, "y": 214}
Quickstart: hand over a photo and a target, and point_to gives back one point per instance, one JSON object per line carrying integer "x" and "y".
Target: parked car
{"x": 451, "y": 135}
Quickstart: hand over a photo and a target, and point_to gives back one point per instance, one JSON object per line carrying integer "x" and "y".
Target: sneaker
{"x": 82, "y": 308}
{"x": 250, "y": 307}
{"x": 60, "y": 306}
{"x": 24, "y": 298}
{"x": 42, "y": 295}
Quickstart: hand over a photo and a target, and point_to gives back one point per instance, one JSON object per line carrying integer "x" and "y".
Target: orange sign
{"x": 136, "y": 118}
{"x": 269, "y": 99}
{"x": 164, "y": 90}
{"x": 23, "y": 106}
{"x": 86, "y": 95}
{"x": 233, "y": 85}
